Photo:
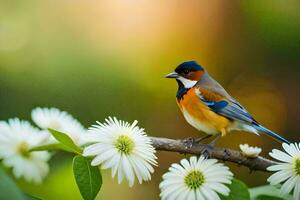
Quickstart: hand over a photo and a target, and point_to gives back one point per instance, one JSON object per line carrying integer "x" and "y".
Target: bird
{"x": 207, "y": 106}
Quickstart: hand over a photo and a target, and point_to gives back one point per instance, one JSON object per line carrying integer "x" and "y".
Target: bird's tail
{"x": 270, "y": 133}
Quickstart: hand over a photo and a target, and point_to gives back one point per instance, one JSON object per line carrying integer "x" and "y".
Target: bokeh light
{"x": 100, "y": 58}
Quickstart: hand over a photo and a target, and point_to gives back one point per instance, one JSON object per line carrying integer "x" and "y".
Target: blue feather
{"x": 216, "y": 105}
{"x": 235, "y": 111}
{"x": 270, "y": 133}
{"x": 189, "y": 65}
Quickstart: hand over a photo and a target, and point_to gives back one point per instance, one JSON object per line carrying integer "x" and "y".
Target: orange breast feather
{"x": 199, "y": 115}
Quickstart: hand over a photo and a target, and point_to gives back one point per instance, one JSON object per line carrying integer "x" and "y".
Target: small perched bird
{"x": 208, "y": 107}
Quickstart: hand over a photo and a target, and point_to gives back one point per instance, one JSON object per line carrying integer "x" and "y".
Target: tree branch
{"x": 182, "y": 146}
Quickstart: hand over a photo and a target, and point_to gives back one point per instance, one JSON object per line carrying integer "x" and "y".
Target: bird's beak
{"x": 173, "y": 75}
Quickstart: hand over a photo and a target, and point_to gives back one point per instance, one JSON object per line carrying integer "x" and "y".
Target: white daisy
{"x": 16, "y": 138}
{"x": 248, "y": 151}
{"x": 196, "y": 179}
{"x": 123, "y": 147}
{"x": 59, "y": 120}
{"x": 287, "y": 170}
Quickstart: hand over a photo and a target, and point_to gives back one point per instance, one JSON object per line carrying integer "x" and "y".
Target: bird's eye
{"x": 186, "y": 71}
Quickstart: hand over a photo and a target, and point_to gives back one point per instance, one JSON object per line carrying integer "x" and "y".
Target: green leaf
{"x": 49, "y": 147}
{"x": 238, "y": 191}
{"x": 267, "y": 191}
{"x": 9, "y": 189}
{"x": 29, "y": 197}
{"x": 267, "y": 197}
{"x": 66, "y": 142}
{"x": 88, "y": 178}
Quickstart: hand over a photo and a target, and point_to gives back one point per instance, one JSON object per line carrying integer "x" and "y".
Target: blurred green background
{"x": 100, "y": 58}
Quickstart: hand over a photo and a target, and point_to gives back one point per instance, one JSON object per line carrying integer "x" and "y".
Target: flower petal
{"x": 281, "y": 156}
{"x": 279, "y": 177}
{"x": 288, "y": 185}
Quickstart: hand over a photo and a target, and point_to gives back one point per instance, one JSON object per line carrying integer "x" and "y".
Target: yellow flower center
{"x": 297, "y": 166}
{"x": 124, "y": 144}
{"x": 194, "y": 179}
{"x": 23, "y": 149}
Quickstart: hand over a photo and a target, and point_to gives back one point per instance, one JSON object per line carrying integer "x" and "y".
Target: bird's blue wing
{"x": 233, "y": 110}
{"x": 229, "y": 109}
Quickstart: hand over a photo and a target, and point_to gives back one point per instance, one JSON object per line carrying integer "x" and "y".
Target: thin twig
{"x": 182, "y": 146}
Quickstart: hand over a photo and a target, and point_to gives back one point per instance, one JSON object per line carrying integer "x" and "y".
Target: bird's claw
{"x": 227, "y": 154}
{"x": 189, "y": 142}
{"x": 207, "y": 150}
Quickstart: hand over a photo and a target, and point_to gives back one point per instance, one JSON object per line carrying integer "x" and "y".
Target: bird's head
{"x": 187, "y": 73}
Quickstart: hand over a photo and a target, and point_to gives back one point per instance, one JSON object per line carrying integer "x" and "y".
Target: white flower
{"x": 287, "y": 170}
{"x": 123, "y": 147}
{"x": 248, "y": 151}
{"x": 16, "y": 138}
{"x": 196, "y": 179}
{"x": 59, "y": 120}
